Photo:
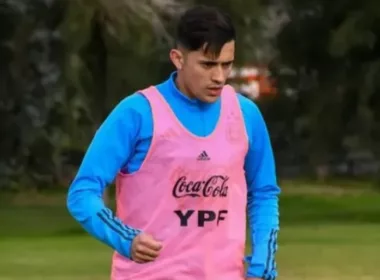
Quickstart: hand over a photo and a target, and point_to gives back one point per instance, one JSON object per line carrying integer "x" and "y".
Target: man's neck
{"x": 181, "y": 86}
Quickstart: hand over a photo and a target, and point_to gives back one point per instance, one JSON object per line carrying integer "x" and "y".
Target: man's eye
{"x": 208, "y": 64}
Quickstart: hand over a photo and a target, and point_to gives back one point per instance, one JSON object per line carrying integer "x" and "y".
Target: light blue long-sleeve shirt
{"x": 122, "y": 142}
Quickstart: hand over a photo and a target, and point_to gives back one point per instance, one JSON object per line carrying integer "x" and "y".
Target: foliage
{"x": 30, "y": 89}
{"x": 327, "y": 66}
{"x": 66, "y": 64}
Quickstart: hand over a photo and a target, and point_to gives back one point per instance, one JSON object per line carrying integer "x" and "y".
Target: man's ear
{"x": 177, "y": 58}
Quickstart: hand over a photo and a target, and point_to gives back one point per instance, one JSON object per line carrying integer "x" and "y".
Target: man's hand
{"x": 145, "y": 248}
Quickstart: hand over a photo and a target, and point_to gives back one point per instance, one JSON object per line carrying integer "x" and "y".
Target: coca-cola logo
{"x": 214, "y": 186}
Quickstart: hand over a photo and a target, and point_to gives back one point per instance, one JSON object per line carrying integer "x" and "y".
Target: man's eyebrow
{"x": 228, "y": 61}
{"x": 206, "y": 61}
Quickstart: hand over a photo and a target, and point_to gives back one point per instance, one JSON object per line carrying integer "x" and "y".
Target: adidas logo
{"x": 203, "y": 156}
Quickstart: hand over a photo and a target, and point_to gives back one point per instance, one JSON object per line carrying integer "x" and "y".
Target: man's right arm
{"x": 108, "y": 152}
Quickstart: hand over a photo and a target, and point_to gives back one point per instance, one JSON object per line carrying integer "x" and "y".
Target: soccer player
{"x": 190, "y": 157}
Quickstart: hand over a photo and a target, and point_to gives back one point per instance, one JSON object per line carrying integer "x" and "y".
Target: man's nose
{"x": 218, "y": 75}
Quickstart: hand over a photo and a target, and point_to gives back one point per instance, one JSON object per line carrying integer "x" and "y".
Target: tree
{"x": 30, "y": 88}
{"x": 331, "y": 49}
{"x": 60, "y": 59}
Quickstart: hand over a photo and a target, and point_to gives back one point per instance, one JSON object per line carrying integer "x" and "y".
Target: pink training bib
{"x": 190, "y": 193}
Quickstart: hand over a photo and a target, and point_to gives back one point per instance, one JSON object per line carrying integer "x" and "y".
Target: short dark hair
{"x": 205, "y": 27}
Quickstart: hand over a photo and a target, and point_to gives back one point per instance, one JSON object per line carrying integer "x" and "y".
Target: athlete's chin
{"x": 210, "y": 98}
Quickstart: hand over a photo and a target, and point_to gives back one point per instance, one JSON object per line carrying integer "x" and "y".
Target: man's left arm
{"x": 263, "y": 192}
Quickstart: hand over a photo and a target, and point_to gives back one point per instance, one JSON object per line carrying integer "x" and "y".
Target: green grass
{"x": 322, "y": 237}
{"x": 53, "y": 258}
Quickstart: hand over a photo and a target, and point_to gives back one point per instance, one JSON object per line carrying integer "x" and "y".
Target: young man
{"x": 190, "y": 156}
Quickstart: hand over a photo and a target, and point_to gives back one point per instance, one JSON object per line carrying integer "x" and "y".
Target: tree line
{"x": 65, "y": 64}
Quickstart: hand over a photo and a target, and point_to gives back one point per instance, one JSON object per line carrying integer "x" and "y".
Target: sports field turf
{"x": 323, "y": 236}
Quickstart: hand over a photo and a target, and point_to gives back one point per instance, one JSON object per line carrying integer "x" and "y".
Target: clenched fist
{"x": 145, "y": 248}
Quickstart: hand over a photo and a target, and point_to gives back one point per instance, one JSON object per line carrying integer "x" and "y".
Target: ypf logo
{"x": 201, "y": 216}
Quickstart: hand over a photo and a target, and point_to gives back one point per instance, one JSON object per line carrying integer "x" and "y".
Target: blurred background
{"x": 313, "y": 68}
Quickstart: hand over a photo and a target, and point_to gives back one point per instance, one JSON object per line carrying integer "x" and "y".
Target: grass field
{"x": 330, "y": 235}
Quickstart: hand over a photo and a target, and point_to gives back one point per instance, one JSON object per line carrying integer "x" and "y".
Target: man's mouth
{"x": 215, "y": 90}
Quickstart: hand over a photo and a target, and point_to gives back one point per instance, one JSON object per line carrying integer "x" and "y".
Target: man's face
{"x": 204, "y": 74}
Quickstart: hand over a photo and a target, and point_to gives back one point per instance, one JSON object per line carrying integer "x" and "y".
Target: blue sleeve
{"x": 106, "y": 155}
{"x": 263, "y": 192}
